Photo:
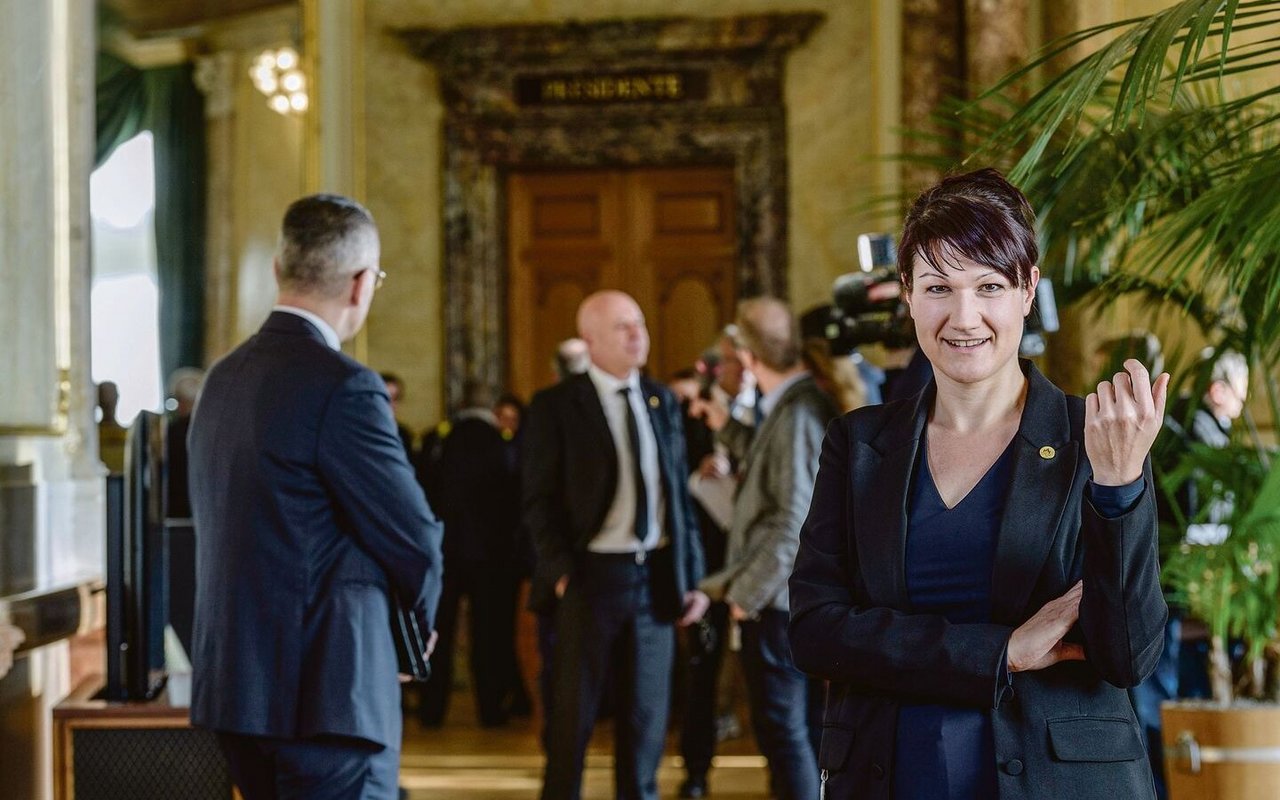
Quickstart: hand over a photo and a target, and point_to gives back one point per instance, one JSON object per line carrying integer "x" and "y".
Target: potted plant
{"x": 1153, "y": 161}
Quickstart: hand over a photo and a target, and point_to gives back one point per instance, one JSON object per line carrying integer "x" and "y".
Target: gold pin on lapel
{"x": 1047, "y": 452}
{"x": 654, "y": 402}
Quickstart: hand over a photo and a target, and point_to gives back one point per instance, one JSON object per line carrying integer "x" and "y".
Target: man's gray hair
{"x": 324, "y": 240}
{"x": 1227, "y": 364}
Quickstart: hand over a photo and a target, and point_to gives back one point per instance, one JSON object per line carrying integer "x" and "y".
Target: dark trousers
{"x": 491, "y": 589}
{"x": 318, "y": 768}
{"x": 782, "y": 705}
{"x": 546, "y": 672}
{"x": 698, "y": 737}
{"x": 605, "y": 621}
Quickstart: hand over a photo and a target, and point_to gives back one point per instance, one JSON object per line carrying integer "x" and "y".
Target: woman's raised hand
{"x": 1121, "y": 421}
{"x": 1037, "y": 643}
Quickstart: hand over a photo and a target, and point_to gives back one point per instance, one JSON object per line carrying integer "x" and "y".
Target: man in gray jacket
{"x": 778, "y": 463}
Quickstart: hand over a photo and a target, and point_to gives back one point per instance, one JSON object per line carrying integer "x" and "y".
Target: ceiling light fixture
{"x": 278, "y": 75}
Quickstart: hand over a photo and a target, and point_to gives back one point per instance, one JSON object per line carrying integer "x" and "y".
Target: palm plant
{"x": 1154, "y": 168}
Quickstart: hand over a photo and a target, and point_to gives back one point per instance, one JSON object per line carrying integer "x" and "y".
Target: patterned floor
{"x": 461, "y": 761}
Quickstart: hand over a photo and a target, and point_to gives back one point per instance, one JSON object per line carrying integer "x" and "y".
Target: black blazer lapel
{"x": 595, "y": 428}
{"x": 1044, "y": 468}
{"x": 881, "y": 473}
{"x": 663, "y": 435}
{"x": 598, "y": 451}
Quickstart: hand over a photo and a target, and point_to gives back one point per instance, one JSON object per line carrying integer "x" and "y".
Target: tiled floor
{"x": 461, "y": 761}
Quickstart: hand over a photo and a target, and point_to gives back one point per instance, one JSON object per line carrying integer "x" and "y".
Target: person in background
{"x": 510, "y": 411}
{"x": 709, "y": 639}
{"x": 838, "y": 376}
{"x": 1182, "y": 671}
{"x": 571, "y": 358}
{"x": 479, "y": 506}
{"x": 778, "y": 461}
{"x": 111, "y": 434}
{"x": 184, "y": 388}
{"x": 618, "y": 556}
{"x": 977, "y": 578}
{"x": 395, "y": 390}
{"x": 704, "y": 645}
{"x": 309, "y": 528}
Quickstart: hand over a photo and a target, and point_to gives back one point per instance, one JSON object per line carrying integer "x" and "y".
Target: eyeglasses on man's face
{"x": 380, "y": 277}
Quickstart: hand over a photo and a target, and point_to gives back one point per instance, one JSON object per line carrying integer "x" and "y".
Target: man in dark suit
{"x": 309, "y": 526}
{"x": 475, "y": 481}
{"x": 617, "y": 544}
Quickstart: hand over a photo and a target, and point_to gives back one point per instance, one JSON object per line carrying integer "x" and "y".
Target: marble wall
{"x": 840, "y": 93}
{"x": 256, "y": 168}
{"x": 844, "y": 93}
{"x": 51, "y": 498}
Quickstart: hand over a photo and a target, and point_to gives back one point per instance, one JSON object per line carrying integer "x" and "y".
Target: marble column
{"x": 1068, "y": 352}
{"x": 996, "y": 41}
{"x": 51, "y": 508}
{"x": 933, "y": 67}
{"x": 216, "y": 76}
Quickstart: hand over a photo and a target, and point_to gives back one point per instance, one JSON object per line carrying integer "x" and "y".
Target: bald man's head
{"x": 612, "y": 325}
{"x": 768, "y": 329}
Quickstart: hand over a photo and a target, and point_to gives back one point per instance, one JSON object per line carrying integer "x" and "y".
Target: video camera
{"x": 868, "y": 306}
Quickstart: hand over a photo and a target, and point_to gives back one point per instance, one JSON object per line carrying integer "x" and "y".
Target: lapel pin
{"x": 1047, "y": 452}
{"x": 653, "y": 401}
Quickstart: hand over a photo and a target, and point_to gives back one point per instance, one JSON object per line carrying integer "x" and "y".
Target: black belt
{"x": 638, "y": 557}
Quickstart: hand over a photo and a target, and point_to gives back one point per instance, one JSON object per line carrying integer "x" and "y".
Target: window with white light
{"x": 124, "y": 304}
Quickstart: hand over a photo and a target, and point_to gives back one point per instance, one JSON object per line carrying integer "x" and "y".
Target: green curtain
{"x": 166, "y": 102}
{"x": 121, "y": 105}
{"x": 176, "y": 120}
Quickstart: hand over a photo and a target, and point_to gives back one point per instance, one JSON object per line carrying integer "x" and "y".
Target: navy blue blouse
{"x": 947, "y": 752}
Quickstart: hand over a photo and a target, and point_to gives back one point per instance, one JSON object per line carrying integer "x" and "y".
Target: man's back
{"x": 307, "y": 515}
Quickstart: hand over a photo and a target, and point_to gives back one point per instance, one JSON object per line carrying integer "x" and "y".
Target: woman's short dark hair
{"x": 978, "y": 215}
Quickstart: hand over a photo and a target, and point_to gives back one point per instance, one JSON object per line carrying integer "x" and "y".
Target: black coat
{"x": 475, "y": 483}
{"x": 570, "y": 475}
{"x": 1066, "y": 731}
{"x": 307, "y": 517}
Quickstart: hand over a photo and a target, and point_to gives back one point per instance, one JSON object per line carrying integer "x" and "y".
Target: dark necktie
{"x": 642, "y": 497}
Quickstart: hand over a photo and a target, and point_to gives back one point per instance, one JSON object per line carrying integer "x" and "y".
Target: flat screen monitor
{"x": 137, "y": 567}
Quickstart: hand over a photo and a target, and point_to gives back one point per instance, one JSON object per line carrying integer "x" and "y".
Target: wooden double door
{"x": 665, "y": 236}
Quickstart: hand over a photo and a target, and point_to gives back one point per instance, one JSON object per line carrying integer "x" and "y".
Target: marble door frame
{"x": 739, "y": 120}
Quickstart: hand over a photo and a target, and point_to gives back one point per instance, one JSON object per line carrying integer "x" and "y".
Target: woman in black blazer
{"x": 977, "y": 577}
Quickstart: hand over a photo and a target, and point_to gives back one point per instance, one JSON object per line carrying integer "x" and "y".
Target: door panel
{"x": 563, "y": 232}
{"x": 665, "y": 236}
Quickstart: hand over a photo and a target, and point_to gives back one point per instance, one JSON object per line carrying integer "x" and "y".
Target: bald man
{"x": 618, "y": 552}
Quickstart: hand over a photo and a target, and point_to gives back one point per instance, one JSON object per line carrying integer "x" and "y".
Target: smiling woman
{"x": 950, "y": 561}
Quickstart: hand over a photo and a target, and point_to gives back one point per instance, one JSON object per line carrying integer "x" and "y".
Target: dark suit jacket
{"x": 307, "y": 518}
{"x": 1066, "y": 731}
{"x": 570, "y": 475}
{"x": 476, "y": 485}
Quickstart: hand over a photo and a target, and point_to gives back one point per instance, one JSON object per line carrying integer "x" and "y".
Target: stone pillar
{"x": 216, "y": 77}
{"x": 995, "y": 41}
{"x": 333, "y": 50}
{"x": 933, "y": 69}
{"x": 1069, "y": 351}
{"x": 51, "y": 508}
